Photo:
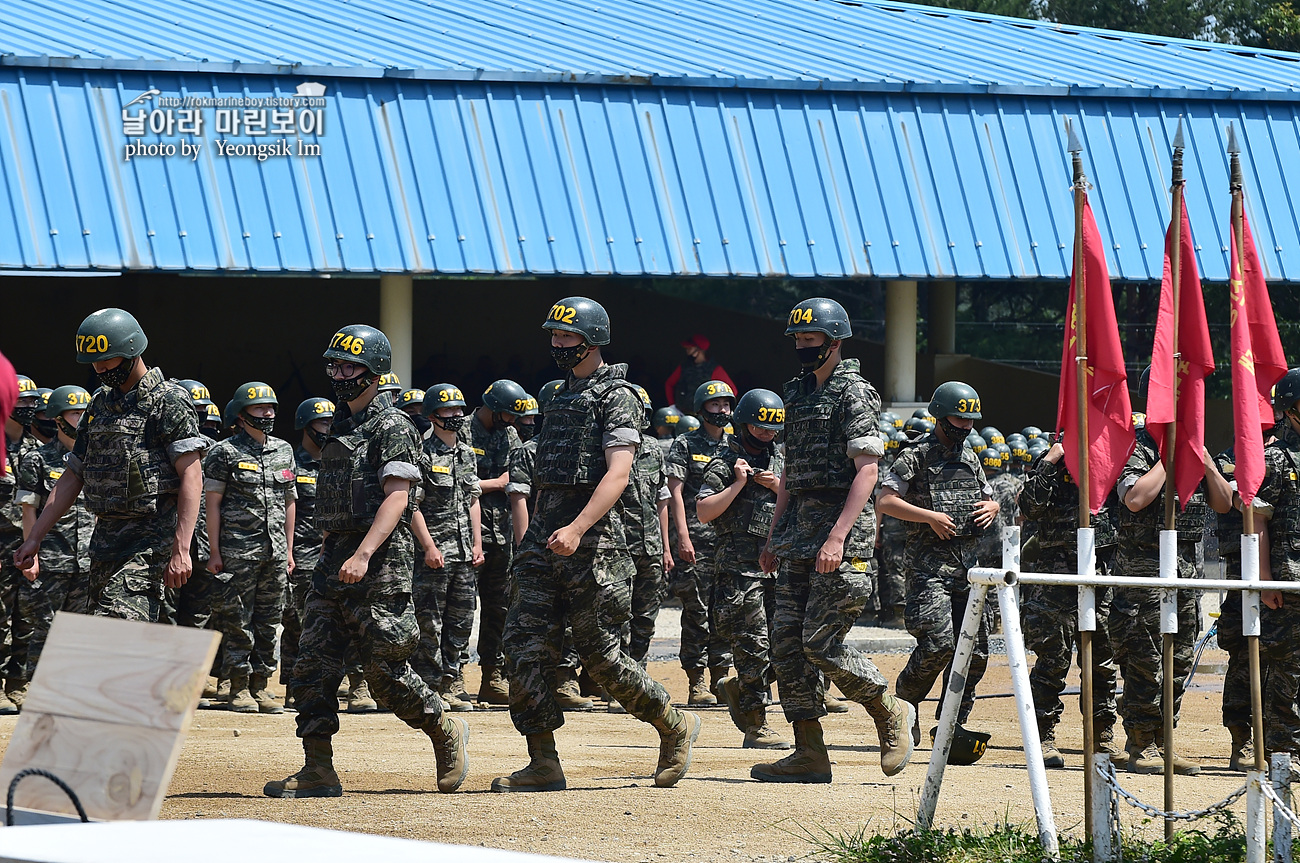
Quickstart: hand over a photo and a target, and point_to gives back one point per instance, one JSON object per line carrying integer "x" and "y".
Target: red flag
{"x": 1110, "y": 417}
{"x": 1257, "y": 363}
{"x": 1195, "y": 361}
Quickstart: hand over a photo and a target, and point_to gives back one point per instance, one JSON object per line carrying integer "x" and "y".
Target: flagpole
{"x": 1171, "y": 513}
{"x": 1081, "y": 438}
{"x": 1247, "y": 513}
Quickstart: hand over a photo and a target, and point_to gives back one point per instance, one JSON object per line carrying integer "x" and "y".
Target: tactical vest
{"x": 693, "y": 374}
{"x": 752, "y": 510}
{"x": 1143, "y": 528}
{"x": 954, "y": 491}
{"x": 570, "y": 448}
{"x": 348, "y": 490}
{"x": 124, "y": 476}
{"x": 816, "y": 451}
{"x": 1228, "y": 525}
{"x": 1060, "y": 526}
{"x": 1284, "y": 526}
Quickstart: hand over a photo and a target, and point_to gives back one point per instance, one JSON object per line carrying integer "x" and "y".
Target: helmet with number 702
{"x": 582, "y": 316}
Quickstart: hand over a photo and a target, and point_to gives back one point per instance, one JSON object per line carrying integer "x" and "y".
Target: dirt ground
{"x": 612, "y": 811}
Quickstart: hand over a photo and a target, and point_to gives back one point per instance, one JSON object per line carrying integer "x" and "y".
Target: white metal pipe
{"x": 970, "y": 625}
{"x": 1019, "y": 663}
{"x": 1087, "y": 609}
{"x": 1102, "y": 839}
{"x": 1168, "y": 572}
{"x": 990, "y": 575}
{"x": 1250, "y": 575}
{"x": 1256, "y": 817}
{"x": 1280, "y": 773}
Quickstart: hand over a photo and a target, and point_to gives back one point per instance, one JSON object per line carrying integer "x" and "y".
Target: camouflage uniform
{"x": 593, "y": 584}
{"x": 18, "y": 596}
{"x": 745, "y": 594}
{"x": 306, "y": 553}
{"x": 1236, "y": 680}
{"x": 493, "y": 451}
{"x": 693, "y": 583}
{"x": 256, "y": 481}
{"x": 191, "y": 604}
{"x": 1279, "y": 639}
{"x": 931, "y": 476}
{"x": 65, "y": 552}
{"x": 1006, "y": 491}
{"x": 825, "y": 429}
{"x": 126, "y": 449}
{"x": 647, "y": 485}
{"x": 1135, "y": 615}
{"x": 892, "y": 587}
{"x": 445, "y": 598}
{"x": 1050, "y": 501}
{"x": 376, "y": 613}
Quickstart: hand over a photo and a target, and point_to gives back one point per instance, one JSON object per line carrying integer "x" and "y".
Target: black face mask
{"x": 450, "y": 423}
{"x": 351, "y": 389}
{"x": 49, "y": 428}
{"x": 24, "y": 416}
{"x": 567, "y": 358}
{"x": 811, "y": 359}
{"x": 527, "y": 431}
{"x": 422, "y": 424}
{"x": 754, "y": 443}
{"x": 954, "y": 434}
{"x": 315, "y": 436}
{"x": 117, "y": 375}
{"x": 717, "y": 420}
{"x": 211, "y": 432}
{"x": 262, "y": 424}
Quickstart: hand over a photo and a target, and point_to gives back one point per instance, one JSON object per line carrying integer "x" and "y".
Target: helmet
{"x": 1145, "y": 381}
{"x": 507, "y": 397}
{"x": 645, "y": 398}
{"x": 923, "y": 414}
{"x": 955, "y": 399}
{"x": 1037, "y": 447}
{"x": 228, "y": 415}
{"x": 975, "y": 442}
{"x": 1005, "y": 450}
{"x": 533, "y": 411}
{"x": 253, "y": 393}
{"x": 688, "y": 423}
{"x": 819, "y": 315}
{"x": 891, "y": 419}
{"x": 668, "y": 416}
{"x": 916, "y": 425}
{"x": 214, "y": 415}
{"x": 992, "y": 435}
{"x": 442, "y": 396}
{"x": 1019, "y": 447}
{"x": 1287, "y": 391}
{"x": 1139, "y": 420}
{"x": 199, "y": 394}
{"x": 713, "y": 390}
{"x": 1031, "y": 433}
{"x": 311, "y": 410}
{"x": 580, "y": 315}
{"x": 891, "y": 445}
{"x": 967, "y": 746}
{"x": 109, "y": 333}
{"x": 762, "y": 408}
{"x": 547, "y": 392}
{"x": 390, "y": 383}
{"x": 362, "y": 343}
{"x": 992, "y": 460}
{"x": 66, "y": 399}
{"x": 43, "y": 393}
{"x": 27, "y": 388}
{"x": 410, "y": 397}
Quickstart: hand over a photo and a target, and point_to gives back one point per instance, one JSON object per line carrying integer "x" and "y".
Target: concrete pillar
{"x": 900, "y": 341}
{"x": 943, "y": 317}
{"x": 397, "y": 320}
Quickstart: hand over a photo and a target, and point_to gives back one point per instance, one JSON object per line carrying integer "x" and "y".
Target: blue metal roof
{"x": 759, "y": 44}
{"x": 531, "y": 178}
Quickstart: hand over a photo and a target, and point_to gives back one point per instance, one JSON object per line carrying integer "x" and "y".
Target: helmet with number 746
{"x": 361, "y": 343}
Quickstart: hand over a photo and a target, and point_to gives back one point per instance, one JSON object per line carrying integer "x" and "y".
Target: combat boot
{"x": 359, "y": 698}
{"x": 699, "y": 695}
{"x": 1105, "y": 742}
{"x": 241, "y": 698}
{"x": 450, "y": 694}
{"x": 16, "y": 690}
{"x": 1243, "y": 749}
{"x": 457, "y": 686}
{"x": 759, "y": 735}
{"x": 266, "y": 702}
{"x": 1143, "y": 755}
{"x": 717, "y": 674}
{"x": 809, "y": 763}
{"x": 678, "y": 731}
{"x": 1182, "y": 767}
{"x": 1052, "y": 757}
{"x": 223, "y": 691}
{"x": 833, "y": 704}
{"x": 210, "y": 688}
{"x": 316, "y": 778}
{"x": 450, "y": 752}
{"x": 543, "y": 772}
{"x": 567, "y": 692}
{"x": 7, "y": 707}
{"x": 894, "y": 718}
{"x": 494, "y": 689}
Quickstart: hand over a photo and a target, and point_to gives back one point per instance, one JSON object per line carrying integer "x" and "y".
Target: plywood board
{"x": 107, "y": 713}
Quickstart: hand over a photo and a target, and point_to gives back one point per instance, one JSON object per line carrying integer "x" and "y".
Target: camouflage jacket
{"x": 307, "y": 537}
{"x": 256, "y": 481}
{"x": 450, "y": 486}
{"x": 1281, "y": 489}
{"x": 687, "y": 458}
{"x": 1049, "y": 502}
{"x": 523, "y": 461}
{"x": 1229, "y": 525}
{"x": 1139, "y": 532}
{"x": 493, "y": 449}
{"x": 11, "y": 511}
{"x": 647, "y": 484}
{"x": 918, "y": 475}
{"x": 66, "y": 548}
{"x": 1006, "y": 491}
{"x": 744, "y": 526}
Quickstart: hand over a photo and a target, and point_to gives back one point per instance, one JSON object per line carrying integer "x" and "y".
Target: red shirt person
{"x": 682, "y": 383}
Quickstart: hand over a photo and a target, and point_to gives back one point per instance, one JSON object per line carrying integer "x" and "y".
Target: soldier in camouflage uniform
{"x": 1050, "y": 503}
{"x": 692, "y": 581}
{"x": 738, "y": 496}
{"x": 448, "y": 527}
{"x": 574, "y": 557}
{"x": 891, "y": 539}
{"x": 645, "y": 523}
{"x": 938, "y": 487}
{"x": 63, "y": 565}
{"x": 189, "y": 605}
{"x": 1135, "y": 615}
{"x": 823, "y": 538}
{"x": 44, "y": 430}
{"x": 18, "y": 597}
{"x": 361, "y": 588}
{"x": 1006, "y": 491}
{"x": 493, "y": 431}
{"x": 137, "y": 458}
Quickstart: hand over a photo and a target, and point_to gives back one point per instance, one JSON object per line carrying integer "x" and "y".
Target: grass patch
{"x": 1224, "y": 842}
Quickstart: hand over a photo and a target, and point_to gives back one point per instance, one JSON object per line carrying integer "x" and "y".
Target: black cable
{"x": 32, "y": 771}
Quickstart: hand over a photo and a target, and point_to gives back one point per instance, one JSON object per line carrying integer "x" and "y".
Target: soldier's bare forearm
{"x": 891, "y": 503}
{"x": 619, "y": 462}
{"x": 864, "y": 483}
{"x": 61, "y": 498}
{"x": 187, "y": 501}
{"x": 396, "y": 496}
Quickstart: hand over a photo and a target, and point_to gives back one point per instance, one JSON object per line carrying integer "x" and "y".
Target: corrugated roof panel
{"x": 810, "y": 44}
{"x": 445, "y": 177}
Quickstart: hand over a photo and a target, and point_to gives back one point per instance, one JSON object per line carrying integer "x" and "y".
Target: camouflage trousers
{"x": 647, "y": 586}
{"x": 933, "y": 615}
{"x": 128, "y": 557}
{"x": 444, "y": 607}
{"x": 693, "y": 585}
{"x": 1236, "y": 680}
{"x": 191, "y": 604}
{"x": 494, "y": 597}
{"x": 23, "y": 598}
{"x": 54, "y": 592}
{"x": 1050, "y": 618}
{"x": 375, "y": 617}
{"x": 247, "y": 605}
{"x": 744, "y": 605}
{"x": 1279, "y": 641}
{"x": 593, "y": 588}
{"x": 891, "y": 580}
{"x": 1139, "y": 650}
{"x": 814, "y": 613}
{"x": 291, "y": 634}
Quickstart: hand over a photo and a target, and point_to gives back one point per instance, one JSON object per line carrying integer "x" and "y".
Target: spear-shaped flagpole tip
{"x": 1233, "y": 147}
{"x": 1179, "y": 141}
{"x": 1073, "y": 145}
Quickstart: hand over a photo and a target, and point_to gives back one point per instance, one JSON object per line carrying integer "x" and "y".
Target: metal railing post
{"x": 1280, "y": 774}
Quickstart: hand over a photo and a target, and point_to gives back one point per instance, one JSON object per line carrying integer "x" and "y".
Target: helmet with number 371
{"x": 310, "y": 410}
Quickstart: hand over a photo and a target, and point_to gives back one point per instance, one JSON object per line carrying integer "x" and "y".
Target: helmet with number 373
{"x": 955, "y": 399}
{"x": 361, "y": 343}
{"x": 507, "y": 397}
{"x": 442, "y": 396}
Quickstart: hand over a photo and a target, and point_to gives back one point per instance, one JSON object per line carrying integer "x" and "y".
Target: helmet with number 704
{"x": 819, "y": 315}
